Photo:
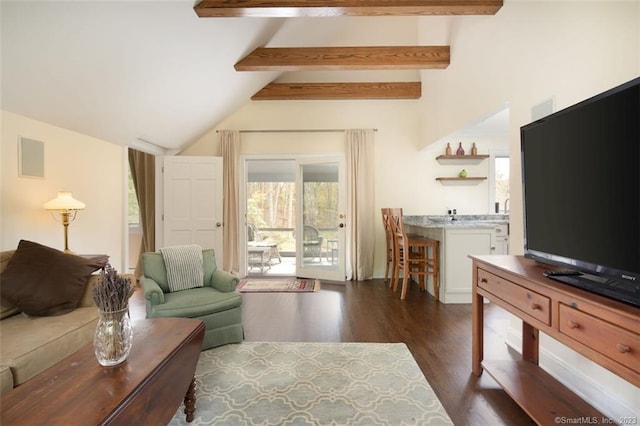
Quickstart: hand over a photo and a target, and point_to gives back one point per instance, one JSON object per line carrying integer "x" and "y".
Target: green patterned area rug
{"x": 260, "y": 383}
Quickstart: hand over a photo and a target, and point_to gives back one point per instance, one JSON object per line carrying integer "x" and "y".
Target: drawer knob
{"x": 483, "y": 280}
{"x": 535, "y": 307}
{"x": 623, "y": 349}
{"x": 573, "y": 324}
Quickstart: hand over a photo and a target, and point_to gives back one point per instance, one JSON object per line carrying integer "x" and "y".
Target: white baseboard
{"x": 458, "y": 297}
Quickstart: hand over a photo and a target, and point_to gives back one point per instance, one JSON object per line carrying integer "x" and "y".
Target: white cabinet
{"x": 500, "y": 240}
{"x": 455, "y": 267}
{"x": 456, "y": 244}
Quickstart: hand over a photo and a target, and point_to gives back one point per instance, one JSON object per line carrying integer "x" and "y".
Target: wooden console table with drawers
{"x": 601, "y": 329}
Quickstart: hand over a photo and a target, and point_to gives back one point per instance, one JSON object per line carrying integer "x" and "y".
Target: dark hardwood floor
{"x": 438, "y": 335}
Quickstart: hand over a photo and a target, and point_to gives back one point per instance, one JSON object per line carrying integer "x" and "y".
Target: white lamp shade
{"x": 64, "y": 201}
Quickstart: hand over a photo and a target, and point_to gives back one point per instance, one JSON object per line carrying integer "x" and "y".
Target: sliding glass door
{"x": 294, "y": 217}
{"x": 320, "y": 238}
{"x": 270, "y": 213}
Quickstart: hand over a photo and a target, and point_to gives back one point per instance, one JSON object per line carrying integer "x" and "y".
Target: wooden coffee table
{"x": 147, "y": 388}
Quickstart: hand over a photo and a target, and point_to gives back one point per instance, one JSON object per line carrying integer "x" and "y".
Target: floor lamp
{"x": 67, "y": 207}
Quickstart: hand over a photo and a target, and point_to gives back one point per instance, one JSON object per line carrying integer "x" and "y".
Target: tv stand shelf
{"x": 603, "y": 330}
{"x": 541, "y": 396}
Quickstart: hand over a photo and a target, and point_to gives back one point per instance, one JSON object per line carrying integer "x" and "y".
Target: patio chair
{"x": 312, "y": 242}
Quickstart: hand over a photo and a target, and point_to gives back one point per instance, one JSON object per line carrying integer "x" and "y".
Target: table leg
{"x": 190, "y": 401}
{"x": 477, "y": 334}
{"x": 530, "y": 343}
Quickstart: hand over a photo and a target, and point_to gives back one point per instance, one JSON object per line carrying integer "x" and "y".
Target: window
{"x": 499, "y": 182}
{"x": 133, "y": 208}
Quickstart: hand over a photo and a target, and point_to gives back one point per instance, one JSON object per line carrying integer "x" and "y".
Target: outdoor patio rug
{"x": 262, "y": 383}
{"x": 286, "y": 285}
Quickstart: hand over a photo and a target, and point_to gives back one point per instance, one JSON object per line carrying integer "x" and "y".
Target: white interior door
{"x": 192, "y": 202}
{"x": 321, "y": 218}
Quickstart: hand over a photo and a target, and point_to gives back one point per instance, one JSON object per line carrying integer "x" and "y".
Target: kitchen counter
{"x": 459, "y": 238}
{"x": 460, "y": 221}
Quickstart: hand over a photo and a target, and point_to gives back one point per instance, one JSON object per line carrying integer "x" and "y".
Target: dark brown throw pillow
{"x": 43, "y": 281}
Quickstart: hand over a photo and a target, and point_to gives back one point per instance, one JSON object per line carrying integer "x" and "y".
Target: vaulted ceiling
{"x": 160, "y": 74}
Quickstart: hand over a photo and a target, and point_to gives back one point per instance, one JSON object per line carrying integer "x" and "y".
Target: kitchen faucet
{"x": 506, "y": 206}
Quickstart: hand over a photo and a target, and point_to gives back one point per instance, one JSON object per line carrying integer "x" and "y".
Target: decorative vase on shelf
{"x": 474, "y": 149}
{"x": 463, "y": 173}
{"x": 112, "y": 338}
{"x": 460, "y": 150}
{"x": 447, "y": 150}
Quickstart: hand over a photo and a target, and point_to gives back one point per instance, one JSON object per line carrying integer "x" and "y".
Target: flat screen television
{"x": 581, "y": 192}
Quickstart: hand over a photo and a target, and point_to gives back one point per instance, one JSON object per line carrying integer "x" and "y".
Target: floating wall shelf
{"x": 460, "y": 180}
{"x": 461, "y": 159}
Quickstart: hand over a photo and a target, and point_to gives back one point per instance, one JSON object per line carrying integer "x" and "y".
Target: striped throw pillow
{"x": 184, "y": 267}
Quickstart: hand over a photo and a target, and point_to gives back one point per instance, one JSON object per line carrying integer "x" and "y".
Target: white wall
{"x": 92, "y": 169}
{"x": 527, "y": 53}
{"x": 405, "y": 175}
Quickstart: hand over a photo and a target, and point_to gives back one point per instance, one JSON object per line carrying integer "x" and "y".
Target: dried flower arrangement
{"x": 113, "y": 336}
{"x": 112, "y": 291}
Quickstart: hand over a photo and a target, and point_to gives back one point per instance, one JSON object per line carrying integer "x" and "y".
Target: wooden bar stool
{"x": 388, "y": 234}
{"x": 411, "y": 254}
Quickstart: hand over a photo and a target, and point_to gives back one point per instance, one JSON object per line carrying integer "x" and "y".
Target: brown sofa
{"x": 31, "y": 344}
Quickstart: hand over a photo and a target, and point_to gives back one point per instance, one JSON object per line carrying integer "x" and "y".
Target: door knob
{"x": 341, "y": 225}
{"x": 218, "y": 224}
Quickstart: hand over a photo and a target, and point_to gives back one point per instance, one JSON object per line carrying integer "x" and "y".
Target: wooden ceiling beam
{"x": 345, "y": 58}
{"x": 329, "y": 91}
{"x": 320, "y": 8}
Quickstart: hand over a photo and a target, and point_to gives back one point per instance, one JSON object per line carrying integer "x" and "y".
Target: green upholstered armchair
{"x": 216, "y": 303}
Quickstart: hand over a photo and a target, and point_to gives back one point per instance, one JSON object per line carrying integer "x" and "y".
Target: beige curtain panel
{"x": 230, "y": 147}
{"x": 143, "y": 172}
{"x": 360, "y": 196}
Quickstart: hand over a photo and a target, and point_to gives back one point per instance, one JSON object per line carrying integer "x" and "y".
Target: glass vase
{"x": 113, "y": 336}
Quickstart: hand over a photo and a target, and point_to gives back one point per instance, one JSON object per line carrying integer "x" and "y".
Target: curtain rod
{"x": 295, "y": 131}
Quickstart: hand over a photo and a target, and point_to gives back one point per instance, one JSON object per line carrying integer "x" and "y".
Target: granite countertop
{"x": 460, "y": 221}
